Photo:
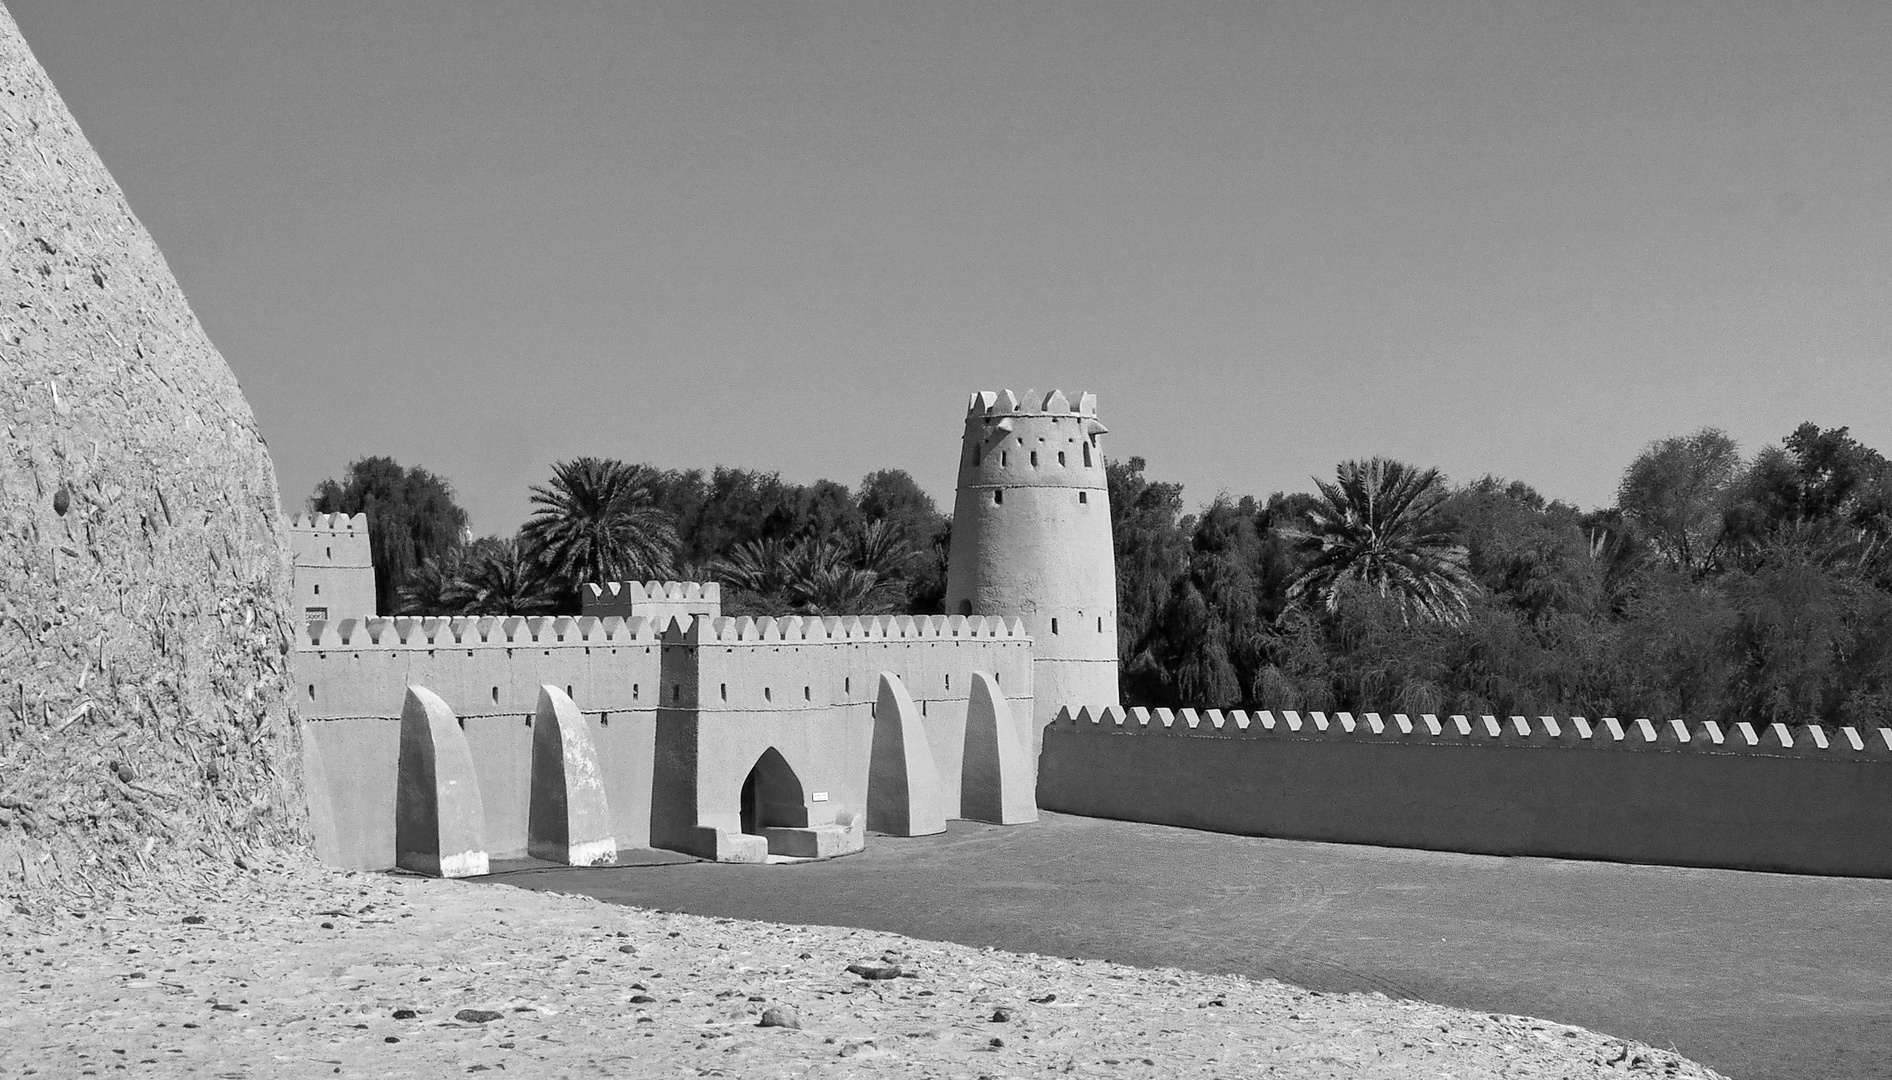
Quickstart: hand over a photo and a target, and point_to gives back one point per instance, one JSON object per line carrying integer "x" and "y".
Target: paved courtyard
{"x": 1757, "y": 975}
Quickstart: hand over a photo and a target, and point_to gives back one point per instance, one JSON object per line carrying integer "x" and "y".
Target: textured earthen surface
{"x": 298, "y": 971}
{"x": 144, "y": 567}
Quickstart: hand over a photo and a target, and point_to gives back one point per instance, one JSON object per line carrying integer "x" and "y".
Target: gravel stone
{"x": 779, "y": 1016}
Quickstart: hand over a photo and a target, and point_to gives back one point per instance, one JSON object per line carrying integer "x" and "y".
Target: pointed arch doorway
{"x": 772, "y": 796}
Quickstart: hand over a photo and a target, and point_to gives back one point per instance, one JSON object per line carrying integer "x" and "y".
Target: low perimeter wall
{"x": 1805, "y": 800}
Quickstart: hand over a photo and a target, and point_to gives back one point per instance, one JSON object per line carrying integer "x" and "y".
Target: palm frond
{"x": 598, "y": 521}
{"x": 1379, "y": 524}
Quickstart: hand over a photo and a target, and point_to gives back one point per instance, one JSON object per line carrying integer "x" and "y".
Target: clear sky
{"x": 1512, "y": 237}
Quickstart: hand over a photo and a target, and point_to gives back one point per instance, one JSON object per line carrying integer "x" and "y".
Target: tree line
{"x": 776, "y": 546}
{"x": 1717, "y": 587}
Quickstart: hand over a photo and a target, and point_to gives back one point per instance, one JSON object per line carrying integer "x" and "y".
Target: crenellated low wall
{"x": 1804, "y": 800}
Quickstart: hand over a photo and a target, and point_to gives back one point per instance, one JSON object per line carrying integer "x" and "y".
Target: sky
{"x": 1496, "y": 237}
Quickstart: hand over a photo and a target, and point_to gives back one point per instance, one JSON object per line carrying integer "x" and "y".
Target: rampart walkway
{"x": 1758, "y": 975}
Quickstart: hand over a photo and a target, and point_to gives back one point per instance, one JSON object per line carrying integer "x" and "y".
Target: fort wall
{"x": 712, "y": 696}
{"x": 806, "y": 686}
{"x": 1805, "y": 800}
{"x": 351, "y": 677}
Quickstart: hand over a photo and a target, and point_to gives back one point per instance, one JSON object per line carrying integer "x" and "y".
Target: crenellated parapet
{"x": 340, "y": 524}
{"x": 494, "y": 631}
{"x": 653, "y": 599}
{"x": 674, "y": 592}
{"x": 1003, "y": 403}
{"x": 850, "y": 628}
{"x": 1043, "y": 440}
{"x": 1609, "y": 732}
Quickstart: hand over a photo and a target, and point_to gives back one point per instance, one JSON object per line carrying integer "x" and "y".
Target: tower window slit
{"x": 1060, "y": 457}
{"x": 1087, "y": 455}
{"x": 724, "y": 689}
{"x": 1034, "y": 459}
{"x": 767, "y": 695}
{"x": 495, "y": 695}
{"x": 1084, "y": 496}
{"x": 998, "y": 497}
{"x": 1004, "y": 458}
{"x": 807, "y": 693}
{"x": 1054, "y": 624}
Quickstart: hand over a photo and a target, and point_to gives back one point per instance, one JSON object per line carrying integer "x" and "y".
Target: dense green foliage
{"x": 776, "y": 546}
{"x": 598, "y": 520}
{"x": 411, "y": 518}
{"x": 1381, "y": 525}
{"x": 1716, "y": 588}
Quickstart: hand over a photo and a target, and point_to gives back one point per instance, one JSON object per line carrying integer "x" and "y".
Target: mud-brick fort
{"x": 653, "y": 721}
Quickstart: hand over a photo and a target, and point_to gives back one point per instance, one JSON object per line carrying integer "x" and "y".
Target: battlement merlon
{"x": 672, "y": 592}
{"x": 800, "y": 630}
{"x": 671, "y": 599}
{"x": 1608, "y": 733}
{"x": 995, "y": 403}
{"x": 429, "y": 632}
{"x": 330, "y": 523}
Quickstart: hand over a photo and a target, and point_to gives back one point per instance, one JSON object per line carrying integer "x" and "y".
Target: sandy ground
{"x": 1762, "y": 975}
{"x": 295, "y": 970}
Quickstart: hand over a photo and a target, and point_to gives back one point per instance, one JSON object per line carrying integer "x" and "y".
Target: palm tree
{"x": 880, "y": 546}
{"x": 434, "y": 586}
{"x": 494, "y": 576}
{"x": 823, "y": 580}
{"x": 1379, "y": 524}
{"x": 758, "y": 566}
{"x": 598, "y": 521}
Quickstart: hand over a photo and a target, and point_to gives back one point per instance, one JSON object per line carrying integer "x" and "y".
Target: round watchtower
{"x": 1031, "y": 540}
